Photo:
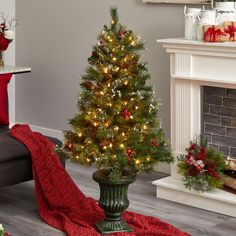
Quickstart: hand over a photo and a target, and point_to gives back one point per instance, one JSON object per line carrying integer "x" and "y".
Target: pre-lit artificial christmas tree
{"x": 116, "y": 126}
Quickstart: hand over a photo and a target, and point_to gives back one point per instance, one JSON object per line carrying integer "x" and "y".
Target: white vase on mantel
{"x": 191, "y": 17}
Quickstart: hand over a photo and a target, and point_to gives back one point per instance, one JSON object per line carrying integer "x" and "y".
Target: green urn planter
{"x": 114, "y": 201}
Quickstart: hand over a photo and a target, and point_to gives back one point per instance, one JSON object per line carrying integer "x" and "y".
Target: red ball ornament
{"x": 107, "y": 77}
{"x": 94, "y": 53}
{"x": 126, "y": 114}
{"x": 154, "y": 143}
{"x": 89, "y": 85}
{"x": 68, "y": 146}
{"x": 199, "y": 168}
{"x": 130, "y": 153}
{"x": 104, "y": 143}
{"x": 126, "y": 65}
{"x": 122, "y": 33}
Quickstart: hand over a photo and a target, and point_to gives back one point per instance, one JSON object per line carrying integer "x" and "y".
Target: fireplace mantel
{"x": 192, "y": 65}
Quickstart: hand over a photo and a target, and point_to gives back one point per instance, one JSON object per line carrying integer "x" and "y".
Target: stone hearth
{"x": 193, "y": 65}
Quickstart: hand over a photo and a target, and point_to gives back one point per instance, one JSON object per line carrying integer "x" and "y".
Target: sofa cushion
{"x": 3, "y": 128}
{"x": 16, "y": 171}
{"x": 12, "y": 149}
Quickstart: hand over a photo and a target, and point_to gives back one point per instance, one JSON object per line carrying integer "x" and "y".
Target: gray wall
{"x": 55, "y": 38}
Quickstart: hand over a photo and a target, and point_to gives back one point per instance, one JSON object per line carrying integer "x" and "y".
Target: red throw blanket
{"x": 61, "y": 203}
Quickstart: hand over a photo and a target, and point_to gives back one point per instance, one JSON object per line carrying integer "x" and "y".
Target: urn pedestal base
{"x": 109, "y": 227}
{"x": 114, "y": 201}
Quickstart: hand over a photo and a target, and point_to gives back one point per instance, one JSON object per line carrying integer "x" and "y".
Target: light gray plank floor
{"x": 18, "y": 207}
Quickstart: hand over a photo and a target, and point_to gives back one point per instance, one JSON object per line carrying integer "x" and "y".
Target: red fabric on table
{"x": 4, "y": 80}
{"x": 61, "y": 203}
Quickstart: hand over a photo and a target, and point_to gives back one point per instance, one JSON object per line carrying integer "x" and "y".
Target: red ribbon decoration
{"x": 212, "y": 33}
{"x": 231, "y": 29}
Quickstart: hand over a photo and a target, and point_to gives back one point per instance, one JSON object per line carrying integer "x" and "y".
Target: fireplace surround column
{"x": 192, "y": 65}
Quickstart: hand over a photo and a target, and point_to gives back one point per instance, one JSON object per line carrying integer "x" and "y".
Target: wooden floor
{"x": 18, "y": 208}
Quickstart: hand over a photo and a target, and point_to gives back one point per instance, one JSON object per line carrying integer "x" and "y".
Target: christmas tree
{"x": 116, "y": 126}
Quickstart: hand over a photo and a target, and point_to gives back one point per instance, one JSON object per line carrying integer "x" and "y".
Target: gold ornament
{"x": 89, "y": 141}
{"x": 110, "y": 39}
{"x": 107, "y": 124}
{"x": 145, "y": 127}
{"x": 137, "y": 162}
{"x": 116, "y": 69}
{"x": 105, "y": 70}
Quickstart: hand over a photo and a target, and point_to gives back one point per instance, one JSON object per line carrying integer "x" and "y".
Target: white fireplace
{"x": 192, "y": 65}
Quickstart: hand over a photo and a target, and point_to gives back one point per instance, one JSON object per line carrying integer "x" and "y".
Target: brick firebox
{"x": 219, "y": 119}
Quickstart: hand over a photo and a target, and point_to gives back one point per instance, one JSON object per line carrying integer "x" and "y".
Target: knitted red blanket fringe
{"x": 61, "y": 203}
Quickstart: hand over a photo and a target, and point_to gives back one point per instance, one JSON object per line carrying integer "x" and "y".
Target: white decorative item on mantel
{"x": 178, "y": 1}
{"x": 191, "y": 19}
{"x": 226, "y": 11}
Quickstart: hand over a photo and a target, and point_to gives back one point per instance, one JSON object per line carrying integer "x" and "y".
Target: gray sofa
{"x": 15, "y": 159}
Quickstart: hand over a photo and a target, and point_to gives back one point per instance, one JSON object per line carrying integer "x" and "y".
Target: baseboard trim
{"x": 45, "y": 131}
{"x": 48, "y": 132}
